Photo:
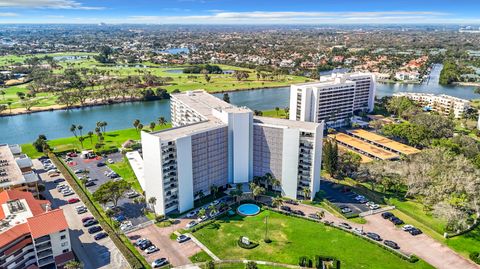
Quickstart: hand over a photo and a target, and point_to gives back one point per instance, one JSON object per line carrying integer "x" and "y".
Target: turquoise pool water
{"x": 248, "y": 210}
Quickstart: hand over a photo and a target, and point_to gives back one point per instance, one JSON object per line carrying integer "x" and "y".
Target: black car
{"x": 145, "y": 245}
{"x": 90, "y": 222}
{"x": 298, "y": 212}
{"x": 89, "y": 184}
{"x": 345, "y": 225}
{"x": 94, "y": 229}
{"x": 292, "y": 202}
{"x": 396, "y": 220}
{"x": 374, "y": 236}
{"x": 100, "y": 236}
{"x": 285, "y": 208}
{"x": 391, "y": 244}
{"x": 58, "y": 180}
{"x": 100, "y": 164}
{"x": 415, "y": 231}
{"x": 387, "y": 215}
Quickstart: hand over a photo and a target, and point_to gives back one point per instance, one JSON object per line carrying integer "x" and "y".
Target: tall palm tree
{"x": 135, "y": 124}
{"x": 277, "y": 109}
{"x": 162, "y": 121}
{"x": 152, "y": 126}
{"x": 214, "y": 190}
{"x": 80, "y": 129}
{"x": 277, "y": 202}
{"x": 276, "y": 183}
{"x": 252, "y": 186}
{"x": 73, "y": 129}
{"x": 213, "y": 209}
{"x": 257, "y": 191}
{"x": 90, "y": 135}
{"x": 152, "y": 201}
{"x": 306, "y": 192}
{"x": 140, "y": 127}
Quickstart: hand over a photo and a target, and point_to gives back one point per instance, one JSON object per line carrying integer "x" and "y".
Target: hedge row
{"x": 305, "y": 261}
{"x": 135, "y": 260}
{"x": 475, "y": 256}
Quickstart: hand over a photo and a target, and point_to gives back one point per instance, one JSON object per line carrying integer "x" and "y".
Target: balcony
{"x": 42, "y": 239}
{"x": 45, "y": 261}
{"x": 43, "y": 247}
{"x": 44, "y": 254}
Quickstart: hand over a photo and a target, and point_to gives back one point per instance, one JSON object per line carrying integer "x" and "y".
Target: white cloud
{"x": 52, "y": 4}
{"x": 8, "y": 14}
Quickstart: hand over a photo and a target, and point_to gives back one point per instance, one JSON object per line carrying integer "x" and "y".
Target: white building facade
{"x": 334, "y": 99}
{"x": 443, "y": 104}
{"x": 214, "y": 143}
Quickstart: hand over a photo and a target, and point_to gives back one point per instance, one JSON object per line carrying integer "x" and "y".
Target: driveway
{"x": 93, "y": 254}
{"x": 341, "y": 197}
{"x": 176, "y": 253}
{"x": 132, "y": 211}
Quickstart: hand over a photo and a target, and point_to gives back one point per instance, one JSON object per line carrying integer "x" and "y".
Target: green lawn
{"x": 293, "y": 238}
{"x": 201, "y": 256}
{"x": 124, "y": 170}
{"x": 113, "y": 139}
{"x": 275, "y": 114}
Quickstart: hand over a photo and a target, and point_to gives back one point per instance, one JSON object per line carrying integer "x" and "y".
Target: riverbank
{"x": 471, "y": 84}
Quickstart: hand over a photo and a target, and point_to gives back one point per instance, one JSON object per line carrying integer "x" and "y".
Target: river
{"x": 56, "y": 124}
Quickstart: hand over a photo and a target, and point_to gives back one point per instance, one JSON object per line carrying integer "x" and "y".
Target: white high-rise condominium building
{"x": 333, "y": 99}
{"x": 443, "y": 104}
{"x": 216, "y": 143}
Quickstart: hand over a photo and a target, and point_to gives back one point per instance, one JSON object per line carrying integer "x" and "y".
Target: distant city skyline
{"x": 240, "y": 12}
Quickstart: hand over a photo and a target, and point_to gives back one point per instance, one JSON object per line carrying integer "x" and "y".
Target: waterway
{"x": 56, "y": 124}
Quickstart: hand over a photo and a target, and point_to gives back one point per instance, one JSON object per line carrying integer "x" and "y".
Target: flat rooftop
{"x": 188, "y": 130}
{"x": 334, "y": 78}
{"x": 383, "y": 141}
{"x": 9, "y": 170}
{"x": 203, "y": 103}
{"x": 276, "y": 122}
{"x": 363, "y": 146}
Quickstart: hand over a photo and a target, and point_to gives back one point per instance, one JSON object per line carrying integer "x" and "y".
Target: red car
{"x": 73, "y": 200}
{"x": 72, "y": 154}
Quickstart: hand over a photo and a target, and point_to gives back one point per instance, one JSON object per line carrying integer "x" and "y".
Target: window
{"x": 65, "y": 250}
{"x": 63, "y": 237}
{"x": 64, "y": 244}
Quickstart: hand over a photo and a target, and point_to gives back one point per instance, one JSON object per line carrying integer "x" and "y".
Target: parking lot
{"x": 92, "y": 253}
{"x": 342, "y": 197}
{"x": 130, "y": 210}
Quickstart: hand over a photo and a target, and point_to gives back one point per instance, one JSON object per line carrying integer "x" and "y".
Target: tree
{"x": 240, "y": 75}
{"x": 202, "y": 212}
{"x": 110, "y": 213}
{"x": 41, "y": 144}
{"x": 257, "y": 191}
{"x": 152, "y": 126}
{"x": 306, "y": 192}
{"x": 226, "y": 97}
{"x": 330, "y": 157}
{"x": 111, "y": 191}
{"x": 251, "y": 265}
{"x": 90, "y": 136}
{"x": 152, "y": 201}
{"x": 277, "y": 202}
{"x": 73, "y": 265}
{"x": 277, "y": 109}
{"x": 213, "y": 209}
{"x": 135, "y": 124}
{"x": 28, "y": 103}
{"x": 214, "y": 190}
{"x": 140, "y": 127}
{"x": 348, "y": 163}
{"x": 73, "y": 129}
{"x": 3, "y": 108}
{"x": 397, "y": 105}
{"x": 162, "y": 121}
{"x": 2, "y": 92}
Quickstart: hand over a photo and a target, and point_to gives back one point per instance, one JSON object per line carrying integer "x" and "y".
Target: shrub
{"x": 302, "y": 261}
{"x": 251, "y": 265}
{"x": 475, "y": 256}
{"x": 210, "y": 265}
{"x": 242, "y": 245}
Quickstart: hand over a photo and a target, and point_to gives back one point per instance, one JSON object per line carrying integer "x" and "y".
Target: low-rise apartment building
{"x": 443, "y": 104}
{"x": 214, "y": 143}
{"x": 31, "y": 234}
{"x": 333, "y": 99}
{"x": 16, "y": 170}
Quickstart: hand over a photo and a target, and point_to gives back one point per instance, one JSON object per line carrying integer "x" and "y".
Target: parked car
{"x": 110, "y": 161}
{"x": 285, "y": 208}
{"x": 159, "y": 262}
{"x": 151, "y": 249}
{"x": 68, "y": 193}
{"x": 182, "y": 238}
{"x": 82, "y": 209}
{"x": 100, "y": 164}
{"x": 313, "y": 216}
{"x": 298, "y": 212}
{"x": 407, "y": 227}
{"x": 191, "y": 224}
{"x": 415, "y": 231}
{"x": 391, "y": 244}
{"x": 191, "y": 214}
{"x": 346, "y": 209}
{"x": 73, "y": 200}
{"x": 119, "y": 218}
{"x": 100, "y": 235}
{"x": 56, "y": 174}
{"x": 87, "y": 218}
{"x": 345, "y": 225}
{"x": 387, "y": 215}
{"x": 291, "y": 202}
{"x": 374, "y": 236}
{"x": 359, "y": 197}
{"x": 140, "y": 241}
{"x": 58, "y": 180}
{"x": 94, "y": 229}
{"x": 61, "y": 187}
{"x": 72, "y": 154}
{"x": 358, "y": 231}
{"x": 89, "y": 184}
{"x": 78, "y": 171}
{"x": 90, "y": 222}
{"x": 132, "y": 194}
{"x": 145, "y": 245}
{"x": 396, "y": 221}
{"x": 374, "y": 207}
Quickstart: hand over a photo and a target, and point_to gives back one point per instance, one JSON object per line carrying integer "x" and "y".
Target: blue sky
{"x": 240, "y": 11}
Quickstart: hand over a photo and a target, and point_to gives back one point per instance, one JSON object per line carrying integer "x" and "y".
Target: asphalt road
{"x": 92, "y": 253}
{"x": 336, "y": 195}
{"x": 128, "y": 208}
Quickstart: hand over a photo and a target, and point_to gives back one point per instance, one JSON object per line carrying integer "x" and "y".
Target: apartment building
{"x": 443, "y": 104}
{"x": 216, "y": 143}
{"x": 333, "y": 99}
{"x": 16, "y": 170}
{"x": 31, "y": 234}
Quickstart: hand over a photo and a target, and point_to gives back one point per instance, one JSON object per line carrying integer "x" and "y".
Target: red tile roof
{"x": 18, "y": 246}
{"x": 47, "y": 223}
{"x": 36, "y": 206}
{"x": 13, "y": 233}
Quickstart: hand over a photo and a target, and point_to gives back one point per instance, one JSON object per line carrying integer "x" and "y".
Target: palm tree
{"x": 200, "y": 194}
{"x": 3, "y": 94}
{"x": 135, "y": 124}
{"x": 252, "y": 186}
{"x": 276, "y": 183}
{"x": 257, "y": 191}
{"x": 306, "y": 192}
{"x": 81, "y": 139}
{"x": 73, "y": 129}
{"x": 277, "y": 202}
{"x": 152, "y": 201}
{"x": 9, "y": 106}
{"x": 73, "y": 265}
{"x": 152, "y": 126}
{"x": 90, "y": 135}
{"x": 277, "y": 109}
{"x": 202, "y": 212}
{"x": 213, "y": 209}
{"x": 80, "y": 129}
{"x": 140, "y": 127}
{"x": 162, "y": 121}
{"x": 214, "y": 190}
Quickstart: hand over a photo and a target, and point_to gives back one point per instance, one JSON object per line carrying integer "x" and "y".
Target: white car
{"x": 407, "y": 227}
{"x": 68, "y": 193}
{"x": 358, "y": 231}
{"x": 110, "y": 161}
{"x": 359, "y": 197}
{"x": 151, "y": 249}
{"x": 202, "y": 218}
{"x": 374, "y": 206}
{"x": 191, "y": 214}
{"x": 191, "y": 224}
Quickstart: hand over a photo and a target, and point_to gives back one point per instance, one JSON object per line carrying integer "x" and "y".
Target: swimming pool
{"x": 248, "y": 210}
